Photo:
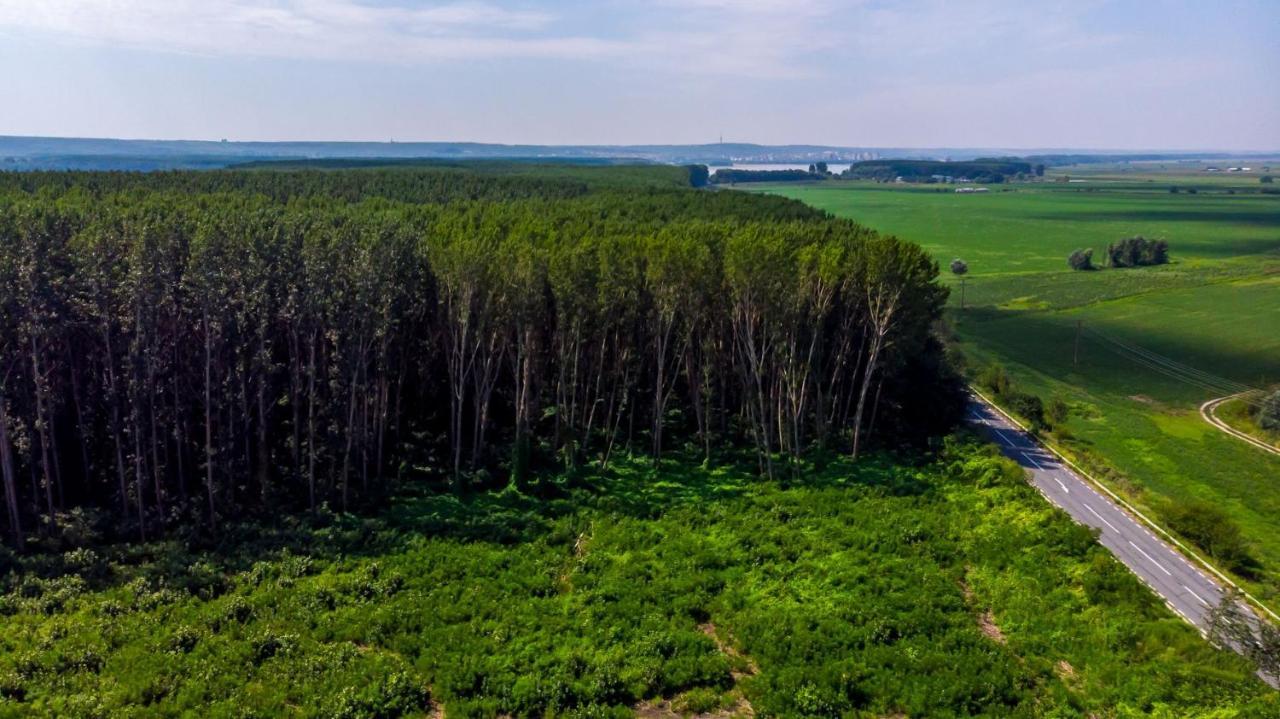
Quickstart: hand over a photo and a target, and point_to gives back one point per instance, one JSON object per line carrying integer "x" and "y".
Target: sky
{"x": 1096, "y": 74}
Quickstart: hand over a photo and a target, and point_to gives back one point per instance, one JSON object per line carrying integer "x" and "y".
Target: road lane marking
{"x": 1002, "y": 436}
{"x": 1151, "y": 559}
{"x": 1029, "y": 459}
{"x": 1060, "y": 484}
{"x": 1197, "y": 596}
{"x": 1104, "y": 519}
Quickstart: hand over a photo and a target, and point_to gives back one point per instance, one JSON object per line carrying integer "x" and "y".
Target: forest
{"x": 180, "y": 348}
{"x": 980, "y": 170}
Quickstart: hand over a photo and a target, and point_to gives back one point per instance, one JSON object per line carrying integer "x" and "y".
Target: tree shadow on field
{"x": 1263, "y": 215}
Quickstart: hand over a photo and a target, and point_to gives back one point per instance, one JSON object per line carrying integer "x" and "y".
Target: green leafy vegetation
{"x": 872, "y": 588}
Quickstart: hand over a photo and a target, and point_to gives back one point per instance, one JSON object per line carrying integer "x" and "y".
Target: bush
{"x": 1029, "y": 406}
{"x": 1081, "y": 260}
{"x": 393, "y": 696}
{"x": 1269, "y": 412}
{"x": 1212, "y": 530}
{"x": 1057, "y": 411}
{"x": 995, "y": 378}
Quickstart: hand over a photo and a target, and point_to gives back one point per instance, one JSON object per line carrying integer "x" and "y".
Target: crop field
{"x": 1214, "y": 308}
{"x": 868, "y": 589}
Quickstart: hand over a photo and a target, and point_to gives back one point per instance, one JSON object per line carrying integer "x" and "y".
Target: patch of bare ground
{"x": 742, "y": 665}
{"x": 666, "y": 709}
{"x": 437, "y": 711}
{"x": 986, "y": 620}
{"x": 580, "y": 547}
{"x": 987, "y": 623}
{"x": 1064, "y": 670}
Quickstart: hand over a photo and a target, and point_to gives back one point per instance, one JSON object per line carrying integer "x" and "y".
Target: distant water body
{"x": 836, "y": 167}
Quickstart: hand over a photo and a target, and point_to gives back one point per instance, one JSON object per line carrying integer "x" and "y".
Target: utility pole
{"x": 1075, "y": 355}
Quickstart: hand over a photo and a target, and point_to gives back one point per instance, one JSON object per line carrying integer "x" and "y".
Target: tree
{"x": 1081, "y": 260}
{"x": 821, "y": 168}
{"x": 1266, "y": 179}
{"x": 1269, "y": 412}
{"x": 1137, "y": 251}
{"x": 1233, "y": 625}
{"x": 203, "y": 347}
{"x": 960, "y": 268}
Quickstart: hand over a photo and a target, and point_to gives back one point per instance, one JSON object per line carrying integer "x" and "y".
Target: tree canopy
{"x": 204, "y": 344}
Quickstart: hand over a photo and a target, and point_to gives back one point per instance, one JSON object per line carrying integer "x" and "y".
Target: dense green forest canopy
{"x": 192, "y": 346}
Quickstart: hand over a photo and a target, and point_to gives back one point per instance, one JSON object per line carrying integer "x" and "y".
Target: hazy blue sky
{"x": 1081, "y": 73}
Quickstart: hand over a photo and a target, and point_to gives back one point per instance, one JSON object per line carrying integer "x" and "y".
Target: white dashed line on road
{"x": 1197, "y": 596}
{"x": 1104, "y": 519}
{"x": 1151, "y": 559}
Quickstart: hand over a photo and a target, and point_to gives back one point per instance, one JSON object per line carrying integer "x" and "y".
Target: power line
{"x": 1175, "y": 370}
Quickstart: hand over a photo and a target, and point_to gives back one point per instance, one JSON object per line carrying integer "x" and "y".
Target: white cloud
{"x": 314, "y": 29}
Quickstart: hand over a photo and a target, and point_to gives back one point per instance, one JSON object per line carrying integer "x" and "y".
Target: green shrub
{"x": 1081, "y": 260}
{"x": 393, "y": 696}
{"x": 1269, "y": 412}
{"x": 1028, "y": 406}
{"x": 698, "y": 701}
{"x": 1213, "y": 530}
{"x": 995, "y": 378}
{"x": 1057, "y": 411}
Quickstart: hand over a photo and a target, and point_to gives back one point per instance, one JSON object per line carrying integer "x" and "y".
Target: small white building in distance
{"x": 971, "y": 189}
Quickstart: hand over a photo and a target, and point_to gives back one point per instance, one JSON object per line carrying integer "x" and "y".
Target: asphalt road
{"x": 1185, "y": 588}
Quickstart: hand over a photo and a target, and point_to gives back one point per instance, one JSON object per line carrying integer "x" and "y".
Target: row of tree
{"x": 169, "y": 355}
{"x": 1137, "y": 251}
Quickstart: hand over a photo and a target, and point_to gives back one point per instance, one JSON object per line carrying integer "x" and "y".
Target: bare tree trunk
{"x": 10, "y": 480}
{"x": 311, "y": 420}
{"x": 208, "y": 417}
{"x": 83, "y": 430}
{"x": 42, "y": 428}
{"x": 264, "y": 419}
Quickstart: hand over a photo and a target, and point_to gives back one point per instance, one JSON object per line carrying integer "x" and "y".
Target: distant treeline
{"x": 726, "y": 176}
{"x": 186, "y": 346}
{"x": 982, "y": 170}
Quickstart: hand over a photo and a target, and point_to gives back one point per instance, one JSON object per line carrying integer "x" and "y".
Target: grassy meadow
{"x": 947, "y": 588}
{"x": 1215, "y": 307}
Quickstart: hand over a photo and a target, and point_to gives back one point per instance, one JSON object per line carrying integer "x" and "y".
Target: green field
{"x": 875, "y": 589}
{"x": 1215, "y": 307}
